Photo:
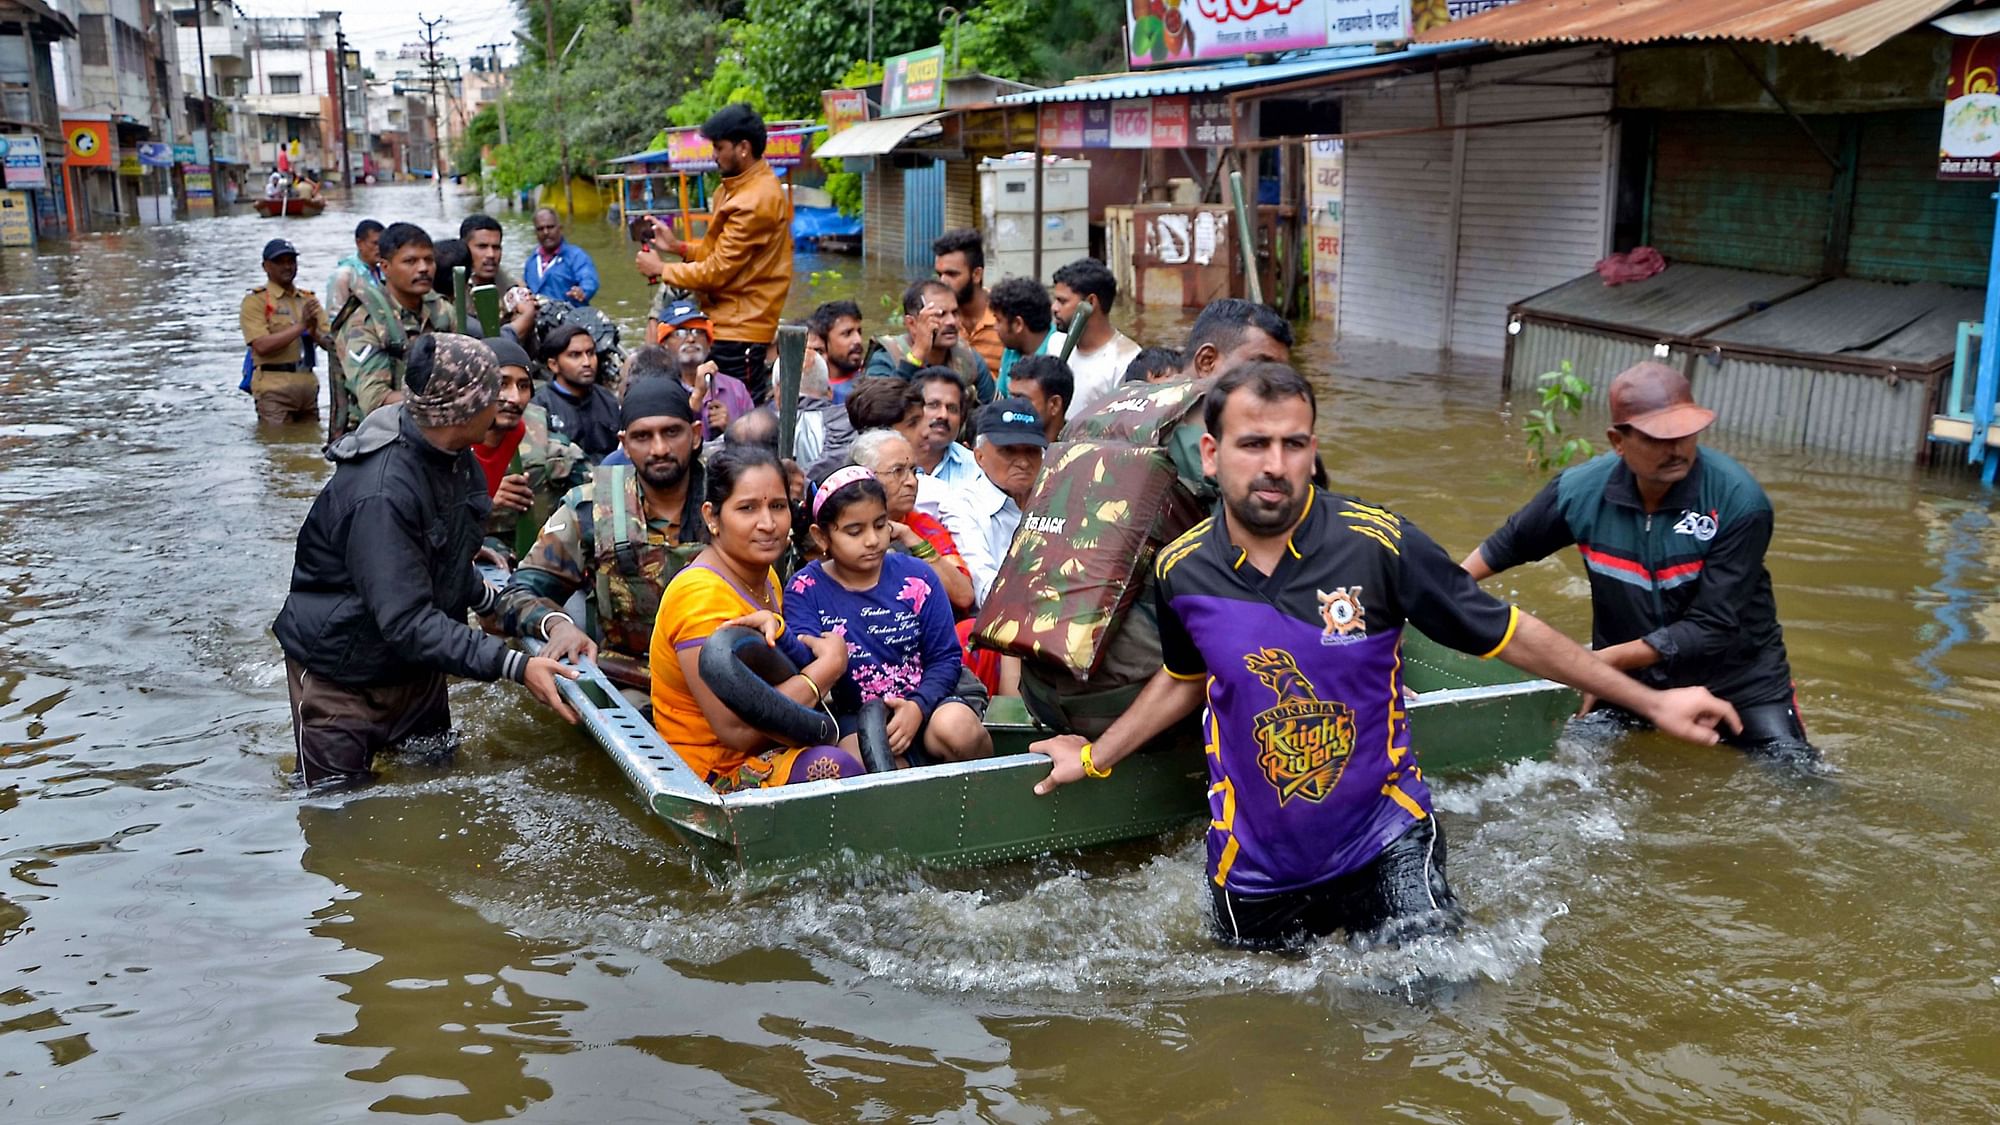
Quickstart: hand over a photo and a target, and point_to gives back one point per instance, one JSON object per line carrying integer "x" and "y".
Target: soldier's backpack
{"x": 1073, "y": 598}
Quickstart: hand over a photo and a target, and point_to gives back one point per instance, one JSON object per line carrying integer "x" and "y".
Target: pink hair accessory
{"x": 840, "y": 479}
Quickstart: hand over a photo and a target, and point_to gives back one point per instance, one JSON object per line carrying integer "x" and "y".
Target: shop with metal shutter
{"x": 1445, "y": 228}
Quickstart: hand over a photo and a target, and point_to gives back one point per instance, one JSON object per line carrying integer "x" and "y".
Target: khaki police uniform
{"x": 285, "y": 389}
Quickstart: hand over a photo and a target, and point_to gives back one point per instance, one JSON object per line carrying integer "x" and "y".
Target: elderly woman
{"x": 749, "y": 518}
{"x": 888, "y": 455}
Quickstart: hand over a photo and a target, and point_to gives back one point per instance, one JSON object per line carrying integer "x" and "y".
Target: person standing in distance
{"x": 741, "y": 269}
{"x": 1283, "y": 615}
{"x": 557, "y": 269}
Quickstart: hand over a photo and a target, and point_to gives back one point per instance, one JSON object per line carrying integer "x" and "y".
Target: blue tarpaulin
{"x": 810, "y": 224}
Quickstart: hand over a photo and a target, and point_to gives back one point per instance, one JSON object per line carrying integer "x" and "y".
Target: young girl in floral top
{"x": 901, "y": 645}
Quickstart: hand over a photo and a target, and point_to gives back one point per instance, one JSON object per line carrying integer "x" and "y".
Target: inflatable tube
{"x": 740, "y": 669}
{"x": 874, "y": 735}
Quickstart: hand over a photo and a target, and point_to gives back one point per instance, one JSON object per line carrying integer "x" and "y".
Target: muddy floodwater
{"x": 1659, "y": 933}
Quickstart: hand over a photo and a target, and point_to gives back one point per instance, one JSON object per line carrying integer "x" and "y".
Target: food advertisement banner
{"x": 843, "y": 108}
{"x": 1970, "y": 146}
{"x": 1171, "y": 32}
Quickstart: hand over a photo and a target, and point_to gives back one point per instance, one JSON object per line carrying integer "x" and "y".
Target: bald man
{"x": 1673, "y": 537}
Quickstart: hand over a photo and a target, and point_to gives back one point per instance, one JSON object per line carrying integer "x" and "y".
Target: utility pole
{"x": 493, "y": 53}
{"x": 346, "y": 160}
{"x": 555, "y": 88}
{"x": 431, "y": 68}
{"x": 207, "y": 110}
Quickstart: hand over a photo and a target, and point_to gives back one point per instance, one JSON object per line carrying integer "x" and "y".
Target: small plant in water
{"x": 1562, "y": 392}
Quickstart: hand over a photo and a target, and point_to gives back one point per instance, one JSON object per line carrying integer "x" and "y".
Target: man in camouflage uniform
{"x": 373, "y": 343}
{"x": 530, "y": 465}
{"x": 620, "y": 539}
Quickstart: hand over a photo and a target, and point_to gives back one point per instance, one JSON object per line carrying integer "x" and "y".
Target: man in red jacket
{"x": 741, "y": 269}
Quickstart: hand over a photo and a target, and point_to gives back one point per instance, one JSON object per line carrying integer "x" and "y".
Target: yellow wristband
{"x": 818, "y": 695}
{"x": 1089, "y": 767}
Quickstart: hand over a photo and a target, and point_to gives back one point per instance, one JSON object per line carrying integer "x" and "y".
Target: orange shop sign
{"x": 88, "y": 143}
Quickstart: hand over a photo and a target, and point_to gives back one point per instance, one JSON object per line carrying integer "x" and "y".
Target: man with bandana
{"x": 620, "y": 539}
{"x": 383, "y": 576}
{"x": 529, "y": 462}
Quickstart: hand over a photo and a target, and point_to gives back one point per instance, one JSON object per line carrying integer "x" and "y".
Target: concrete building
{"x": 30, "y": 120}
{"x": 122, "y": 69}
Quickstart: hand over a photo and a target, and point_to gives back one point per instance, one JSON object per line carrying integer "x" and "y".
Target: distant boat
{"x": 290, "y": 206}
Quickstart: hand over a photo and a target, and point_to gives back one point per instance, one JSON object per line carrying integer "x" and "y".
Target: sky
{"x": 373, "y": 25}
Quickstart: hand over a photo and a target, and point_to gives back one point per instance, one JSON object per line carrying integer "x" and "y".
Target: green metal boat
{"x": 1468, "y": 714}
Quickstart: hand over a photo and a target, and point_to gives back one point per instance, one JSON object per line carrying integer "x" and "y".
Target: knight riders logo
{"x": 1303, "y": 742}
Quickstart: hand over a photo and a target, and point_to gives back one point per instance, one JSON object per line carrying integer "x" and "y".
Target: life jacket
{"x": 631, "y": 571}
{"x": 379, "y": 307}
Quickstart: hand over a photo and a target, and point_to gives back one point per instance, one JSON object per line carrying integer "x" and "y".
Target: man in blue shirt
{"x": 558, "y": 270}
{"x": 1283, "y": 615}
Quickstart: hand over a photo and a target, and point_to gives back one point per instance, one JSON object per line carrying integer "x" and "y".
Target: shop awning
{"x": 873, "y": 138}
{"x": 1228, "y": 76}
{"x": 1846, "y": 27}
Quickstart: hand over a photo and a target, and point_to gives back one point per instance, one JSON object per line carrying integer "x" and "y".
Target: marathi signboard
{"x": 89, "y": 143}
{"x": 200, "y": 182}
{"x": 688, "y": 151}
{"x": 1178, "y": 31}
{"x": 842, "y": 109}
{"x": 913, "y": 82}
{"x": 1168, "y": 121}
{"x": 1970, "y": 146}
{"x": 17, "y": 219}
{"x": 1326, "y": 196}
{"x": 26, "y": 167}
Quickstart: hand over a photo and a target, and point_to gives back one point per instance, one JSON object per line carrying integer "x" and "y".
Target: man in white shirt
{"x": 1102, "y": 353}
{"x": 940, "y": 455}
{"x": 983, "y": 515}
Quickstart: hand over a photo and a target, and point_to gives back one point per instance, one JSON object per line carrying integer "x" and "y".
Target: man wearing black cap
{"x": 588, "y": 413}
{"x": 1673, "y": 537}
{"x": 620, "y": 539}
{"x": 983, "y": 513}
{"x": 277, "y": 316}
{"x": 383, "y": 576}
{"x": 530, "y": 464}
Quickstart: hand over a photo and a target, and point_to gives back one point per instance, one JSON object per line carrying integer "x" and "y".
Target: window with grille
{"x": 285, "y": 83}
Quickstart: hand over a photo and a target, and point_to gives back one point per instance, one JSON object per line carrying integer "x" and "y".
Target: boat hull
{"x": 292, "y": 208}
{"x": 1470, "y": 715}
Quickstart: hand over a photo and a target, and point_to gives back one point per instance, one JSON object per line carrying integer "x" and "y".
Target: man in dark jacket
{"x": 574, "y": 394}
{"x": 383, "y": 575}
{"x": 1674, "y": 539}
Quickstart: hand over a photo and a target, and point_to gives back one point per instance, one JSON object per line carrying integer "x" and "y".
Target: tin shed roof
{"x": 1846, "y": 27}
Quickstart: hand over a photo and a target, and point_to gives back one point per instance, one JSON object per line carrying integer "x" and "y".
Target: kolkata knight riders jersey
{"x": 1311, "y": 771}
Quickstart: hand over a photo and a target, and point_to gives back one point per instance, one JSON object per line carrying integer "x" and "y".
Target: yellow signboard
{"x": 17, "y": 219}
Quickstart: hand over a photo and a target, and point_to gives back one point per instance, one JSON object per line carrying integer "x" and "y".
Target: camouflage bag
{"x": 1167, "y": 415}
{"x": 1068, "y": 599}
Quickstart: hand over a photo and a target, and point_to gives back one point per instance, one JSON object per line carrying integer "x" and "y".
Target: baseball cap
{"x": 1010, "y": 421}
{"x": 1657, "y": 401}
{"x": 278, "y": 248}
{"x": 684, "y": 313}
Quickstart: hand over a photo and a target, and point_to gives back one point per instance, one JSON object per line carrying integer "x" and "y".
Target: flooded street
{"x": 1659, "y": 933}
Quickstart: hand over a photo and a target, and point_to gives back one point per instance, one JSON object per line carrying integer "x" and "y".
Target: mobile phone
{"x": 640, "y": 228}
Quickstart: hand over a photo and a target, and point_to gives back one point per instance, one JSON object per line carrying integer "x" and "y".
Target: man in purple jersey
{"x": 1283, "y": 615}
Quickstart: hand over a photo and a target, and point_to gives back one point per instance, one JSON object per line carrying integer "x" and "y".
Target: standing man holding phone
{"x": 741, "y": 269}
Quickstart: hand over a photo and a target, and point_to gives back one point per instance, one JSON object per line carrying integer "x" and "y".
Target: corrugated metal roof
{"x": 1847, "y": 27}
{"x": 1881, "y": 322}
{"x": 1228, "y": 76}
{"x": 873, "y": 138}
{"x": 1683, "y": 301}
